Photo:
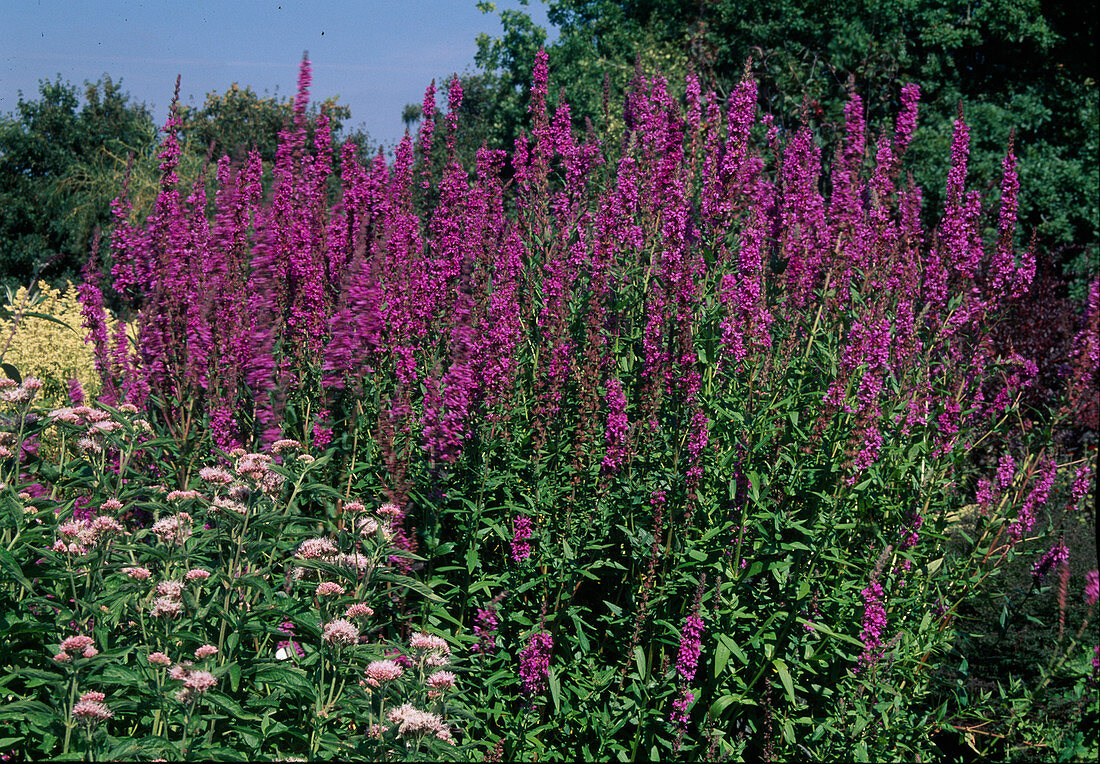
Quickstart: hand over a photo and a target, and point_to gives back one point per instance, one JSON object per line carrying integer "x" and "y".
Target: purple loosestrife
{"x": 907, "y": 118}
{"x": 1085, "y": 363}
{"x": 406, "y": 286}
{"x": 874, "y": 616}
{"x": 76, "y": 391}
{"x": 1036, "y": 499}
{"x": 616, "y": 432}
{"x": 504, "y": 332}
{"x": 874, "y": 623}
{"x": 355, "y": 328}
{"x": 534, "y": 665}
{"x": 804, "y": 228}
{"x": 687, "y": 661}
{"x": 1053, "y": 557}
{"x": 446, "y": 433}
{"x": 1004, "y": 278}
{"x": 485, "y": 628}
{"x": 846, "y": 209}
{"x": 958, "y": 230}
{"x": 521, "y": 533}
{"x": 95, "y": 321}
{"x": 427, "y": 126}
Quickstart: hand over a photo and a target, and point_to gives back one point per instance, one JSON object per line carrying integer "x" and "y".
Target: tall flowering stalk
{"x": 687, "y": 660}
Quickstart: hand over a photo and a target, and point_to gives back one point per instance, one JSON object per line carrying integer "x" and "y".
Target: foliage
{"x": 1013, "y": 64}
{"x": 61, "y": 163}
{"x": 219, "y": 622}
{"x": 49, "y": 345}
{"x": 239, "y": 120}
{"x": 697, "y": 452}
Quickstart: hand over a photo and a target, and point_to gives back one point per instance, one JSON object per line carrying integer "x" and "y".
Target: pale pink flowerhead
{"x": 199, "y": 681}
{"x": 197, "y": 574}
{"x": 286, "y": 444}
{"x": 215, "y": 476}
{"x": 183, "y": 495}
{"x": 442, "y": 680}
{"x": 316, "y": 549}
{"x": 180, "y": 671}
{"x": 77, "y": 644}
{"x": 91, "y": 709}
{"x": 429, "y": 643}
{"x": 166, "y": 607}
{"x": 354, "y": 507}
{"x": 356, "y": 561}
{"x": 414, "y": 721}
{"x": 205, "y": 651}
{"x": 159, "y": 659}
{"x": 104, "y": 524}
{"x": 170, "y": 589}
{"x": 175, "y": 529}
{"x": 253, "y": 466}
{"x": 272, "y": 483}
{"x": 341, "y": 632}
{"x": 138, "y": 573}
{"x": 377, "y": 730}
{"x": 390, "y": 510}
{"x": 229, "y": 505}
{"x": 383, "y": 671}
{"x": 328, "y": 588}
{"x": 111, "y": 505}
{"x": 359, "y": 610}
{"x": 62, "y": 657}
{"x": 90, "y": 652}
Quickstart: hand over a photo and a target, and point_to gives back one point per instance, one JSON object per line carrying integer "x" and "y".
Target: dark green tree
{"x": 61, "y": 163}
{"x": 239, "y": 120}
{"x": 1012, "y": 64}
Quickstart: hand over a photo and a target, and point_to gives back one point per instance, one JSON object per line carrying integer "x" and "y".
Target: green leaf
{"x": 8, "y": 563}
{"x": 785, "y": 678}
{"x": 721, "y": 657}
{"x": 47, "y": 317}
{"x": 639, "y": 660}
{"x": 555, "y": 689}
{"x": 413, "y": 584}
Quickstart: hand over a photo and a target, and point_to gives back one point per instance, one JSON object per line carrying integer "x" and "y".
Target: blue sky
{"x": 376, "y": 55}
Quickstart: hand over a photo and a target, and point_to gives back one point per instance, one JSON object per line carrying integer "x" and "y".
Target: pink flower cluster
{"x": 169, "y": 601}
{"x": 194, "y": 682}
{"x": 521, "y": 532}
{"x": 77, "y": 645}
{"x": 1053, "y": 557}
{"x": 91, "y": 709}
{"x": 411, "y": 721}
{"x": 534, "y": 662}
{"x": 175, "y": 529}
{"x": 78, "y": 536}
{"x": 432, "y": 650}
{"x": 383, "y": 671}
{"x": 340, "y": 632}
{"x": 874, "y": 623}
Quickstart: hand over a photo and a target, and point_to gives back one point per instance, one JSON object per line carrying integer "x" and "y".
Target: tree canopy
{"x": 1021, "y": 65}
